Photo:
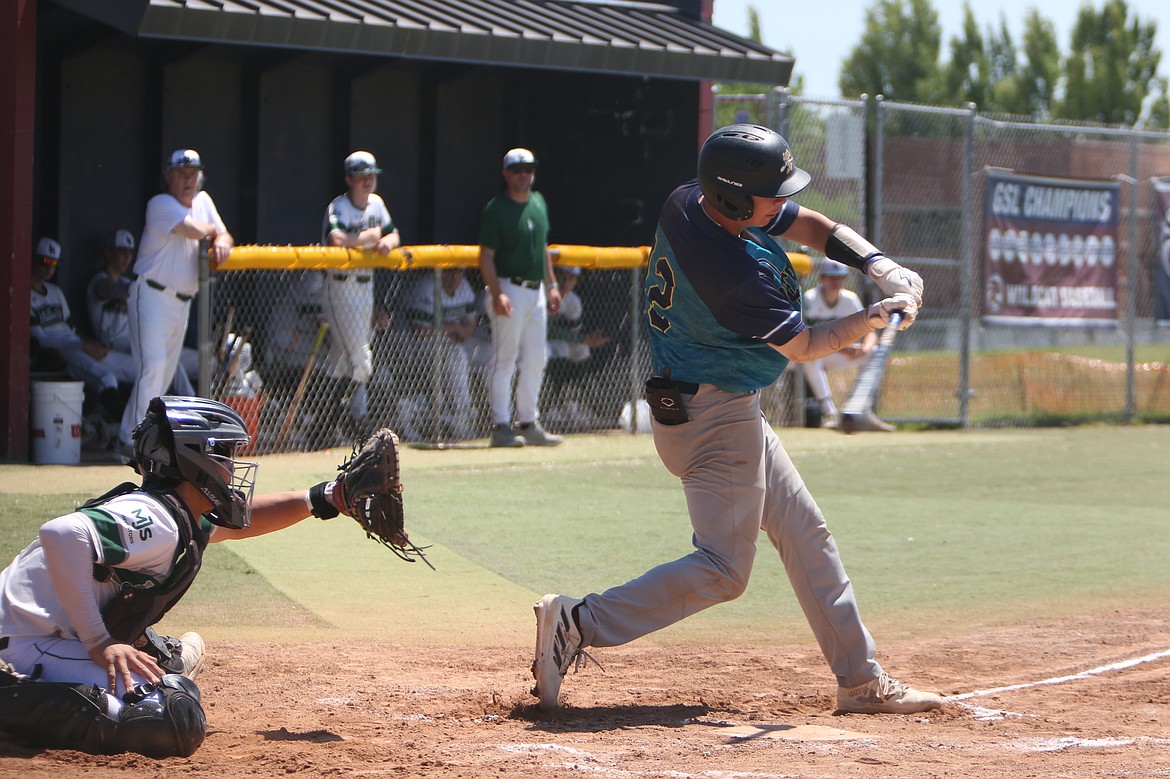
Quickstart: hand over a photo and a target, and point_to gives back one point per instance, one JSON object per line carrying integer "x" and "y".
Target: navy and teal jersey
{"x": 518, "y": 234}
{"x": 715, "y": 302}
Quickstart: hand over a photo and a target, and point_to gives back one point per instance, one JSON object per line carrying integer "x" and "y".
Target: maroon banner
{"x": 1050, "y": 255}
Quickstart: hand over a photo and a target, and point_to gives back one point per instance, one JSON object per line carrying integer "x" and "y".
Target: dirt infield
{"x": 1082, "y": 709}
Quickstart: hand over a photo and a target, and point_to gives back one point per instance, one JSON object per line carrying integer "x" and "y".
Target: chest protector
{"x": 142, "y": 604}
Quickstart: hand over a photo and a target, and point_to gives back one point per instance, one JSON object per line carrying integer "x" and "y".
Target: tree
{"x": 967, "y": 75}
{"x": 1112, "y": 69}
{"x": 898, "y": 53}
{"x": 755, "y": 112}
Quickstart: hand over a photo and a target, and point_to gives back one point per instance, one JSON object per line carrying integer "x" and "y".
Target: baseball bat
{"x": 865, "y": 387}
{"x": 227, "y": 329}
{"x": 291, "y": 416}
{"x": 236, "y": 350}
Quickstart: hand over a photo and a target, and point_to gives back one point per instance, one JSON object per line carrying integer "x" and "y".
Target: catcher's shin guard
{"x": 56, "y": 716}
{"x": 163, "y": 720}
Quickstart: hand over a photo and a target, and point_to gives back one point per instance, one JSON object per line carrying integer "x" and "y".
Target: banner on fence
{"x": 1162, "y": 266}
{"x": 1050, "y": 253}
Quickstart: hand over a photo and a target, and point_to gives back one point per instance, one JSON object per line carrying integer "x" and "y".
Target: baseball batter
{"x": 167, "y": 278}
{"x": 723, "y": 310}
{"x": 358, "y": 219}
{"x": 825, "y": 302}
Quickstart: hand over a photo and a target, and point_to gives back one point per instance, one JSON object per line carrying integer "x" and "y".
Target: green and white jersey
{"x": 136, "y": 533}
{"x": 343, "y": 215}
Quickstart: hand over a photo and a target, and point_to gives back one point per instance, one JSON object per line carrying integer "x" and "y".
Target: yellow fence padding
{"x": 289, "y": 258}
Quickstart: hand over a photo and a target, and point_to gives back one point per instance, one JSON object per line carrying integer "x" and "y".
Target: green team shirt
{"x": 518, "y": 234}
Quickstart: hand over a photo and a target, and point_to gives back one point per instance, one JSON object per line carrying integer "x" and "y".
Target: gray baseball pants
{"x": 737, "y": 479}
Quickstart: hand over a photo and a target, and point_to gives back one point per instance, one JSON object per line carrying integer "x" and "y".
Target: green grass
{"x": 941, "y": 532}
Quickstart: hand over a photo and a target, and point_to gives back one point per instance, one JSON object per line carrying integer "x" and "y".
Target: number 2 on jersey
{"x": 661, "y": 296}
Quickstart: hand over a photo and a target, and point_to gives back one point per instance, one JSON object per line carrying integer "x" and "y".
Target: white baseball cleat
{"x": 885, "y": 695}
{"x": 192, "y": 655}
{"x": 558, "y": 643}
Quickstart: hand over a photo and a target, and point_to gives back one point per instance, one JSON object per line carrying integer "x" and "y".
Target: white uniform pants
{"x": 59, "y": 660}
{"x": 814, "y": 373}
{"x": 737, "y": 479}
{"x": 518, "y": 350}
{"x": 349, "y": 305}
{"x": 158, "y": 322}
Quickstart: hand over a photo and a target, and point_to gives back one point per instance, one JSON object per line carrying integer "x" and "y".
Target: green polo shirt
{"x": 518, "y": 234}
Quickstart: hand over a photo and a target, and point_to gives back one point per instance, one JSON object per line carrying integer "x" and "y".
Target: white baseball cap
{"x": 184, "y": 158}
{"x": 833, "y": 269}
{"x": 121, "y": 239}
{"x": 518, "y": 157}
{"x": 47, "y": 247}
{"x": 361, "y": 163}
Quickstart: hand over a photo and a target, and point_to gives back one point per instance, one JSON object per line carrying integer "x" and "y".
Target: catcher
{"x": 82, "y": 668}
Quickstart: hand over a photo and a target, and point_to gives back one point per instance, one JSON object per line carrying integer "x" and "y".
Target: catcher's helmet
{"x": 742, "y": 160}
{"x": 196, "y": 440}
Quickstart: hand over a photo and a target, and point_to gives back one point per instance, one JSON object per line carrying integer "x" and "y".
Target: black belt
{"x": 358, "y": 279}
{"x": 3, "y": 643}
{"x": 687, "y": 387}
{"x": 162, "y": 288}
{"x": 526, "y": 283}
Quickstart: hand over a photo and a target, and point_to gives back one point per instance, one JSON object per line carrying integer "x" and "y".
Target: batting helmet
{"x": 196, "y": 440}
{"x": 742, "y": 160}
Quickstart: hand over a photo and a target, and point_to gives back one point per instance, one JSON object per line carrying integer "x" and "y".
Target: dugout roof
{"x": 614, "y": 37}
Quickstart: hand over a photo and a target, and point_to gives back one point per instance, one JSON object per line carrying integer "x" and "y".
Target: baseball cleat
{"x": 558, "y": 643}
{"x": 504, "y": 435}
{"x": 534, "y": 435}
{"x": 885, "y": 695}
{"x": 192, "y": 655}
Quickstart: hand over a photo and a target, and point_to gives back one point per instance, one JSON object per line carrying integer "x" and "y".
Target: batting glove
{"x": 878, "y": 315}
{"x": 892, "y": 278}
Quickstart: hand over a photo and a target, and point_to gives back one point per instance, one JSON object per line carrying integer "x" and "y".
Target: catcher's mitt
{"x": 371, "y": 492}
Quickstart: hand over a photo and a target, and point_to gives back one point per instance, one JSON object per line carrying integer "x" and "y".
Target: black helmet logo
{"x": 786, "y": 163}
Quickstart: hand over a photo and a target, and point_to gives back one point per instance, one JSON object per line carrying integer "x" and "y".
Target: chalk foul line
{"x": 1119, "y": 666}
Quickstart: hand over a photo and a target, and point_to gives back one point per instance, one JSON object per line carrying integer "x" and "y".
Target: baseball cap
{"x": 120, "y": 239}
{"x": 518, "y": 157}
{"x": 361, "y": 163}
{"x": 572, "y": 270}
{"x": 184, "y": 158}
{"x": 833, "y": 268}
{"x": 48, "y": 249}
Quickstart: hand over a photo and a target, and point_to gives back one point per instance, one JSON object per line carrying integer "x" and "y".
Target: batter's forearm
{"x": 828, "y": 337}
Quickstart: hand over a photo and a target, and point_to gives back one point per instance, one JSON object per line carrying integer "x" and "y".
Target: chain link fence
{"x": 287, "y": 351}
{"x": 912, "y": 178}
{"x": 909, "y": 177}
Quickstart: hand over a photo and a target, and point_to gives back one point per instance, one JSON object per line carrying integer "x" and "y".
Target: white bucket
{"x": 56, "y": 422}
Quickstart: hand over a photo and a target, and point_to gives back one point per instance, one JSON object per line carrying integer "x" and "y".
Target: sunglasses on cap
{"x": 522, "y": 169}
{"x": 48, "y": 262}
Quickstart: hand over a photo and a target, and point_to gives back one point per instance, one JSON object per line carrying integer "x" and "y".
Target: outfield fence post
{"x": 1131, "y": 273}
{"x": 968, "y": 224}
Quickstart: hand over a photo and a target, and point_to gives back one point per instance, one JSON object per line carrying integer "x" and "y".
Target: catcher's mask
{"x": 196, "y": 440}
{"x": 742, "y": 160}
